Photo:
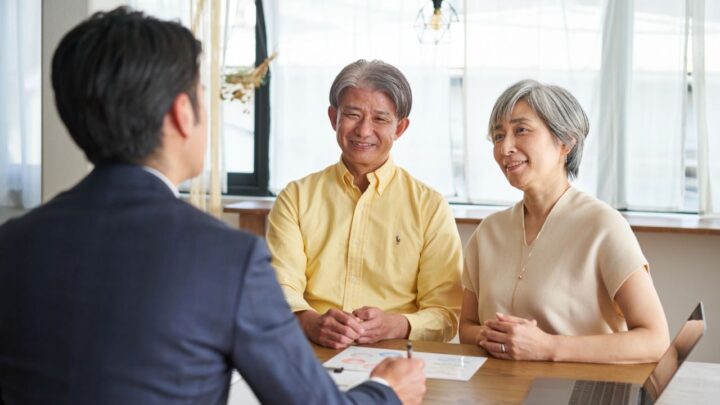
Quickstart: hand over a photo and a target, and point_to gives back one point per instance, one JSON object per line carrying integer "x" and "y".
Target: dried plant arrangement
{"x": 240, "y": 83}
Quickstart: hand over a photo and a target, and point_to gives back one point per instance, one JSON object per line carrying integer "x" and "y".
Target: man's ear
{"x": 332, "y": 114}
{"x": 182, "y": 115}
{"x": 402, "y": 125}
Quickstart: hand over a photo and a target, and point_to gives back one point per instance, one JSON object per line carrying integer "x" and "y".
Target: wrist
{"x": 403, "y": 327}
{"x": 554, "y": 346}
{"x": 306, "y": 318}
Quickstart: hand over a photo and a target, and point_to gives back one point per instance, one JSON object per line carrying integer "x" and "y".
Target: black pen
{"x": 336, "y": 370}
{"x": 409, "y": 349}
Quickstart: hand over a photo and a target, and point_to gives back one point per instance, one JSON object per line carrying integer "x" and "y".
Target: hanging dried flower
{"x": 239, "y": 85}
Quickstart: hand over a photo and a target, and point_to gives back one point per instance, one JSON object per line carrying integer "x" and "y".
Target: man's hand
{"x": 380, "y": 325}
{"x": 335, "y": 329}
{"x": 405, "y": 376}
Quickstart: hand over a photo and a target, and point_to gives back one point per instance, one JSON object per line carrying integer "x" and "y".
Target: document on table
{"x": 439, "y": 366}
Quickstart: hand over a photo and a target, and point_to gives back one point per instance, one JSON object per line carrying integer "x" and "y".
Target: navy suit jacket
{"x": 116, "y": 292}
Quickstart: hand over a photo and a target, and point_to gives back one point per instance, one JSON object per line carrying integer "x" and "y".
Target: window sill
{"x": 252, "y": 213}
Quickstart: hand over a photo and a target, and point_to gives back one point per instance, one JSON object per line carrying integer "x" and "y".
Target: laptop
{"x": 564, "y": 391}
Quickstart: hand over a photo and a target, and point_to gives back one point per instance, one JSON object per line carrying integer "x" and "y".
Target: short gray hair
{"x": 375, "y": 75}
{"x": 559, "y": 109}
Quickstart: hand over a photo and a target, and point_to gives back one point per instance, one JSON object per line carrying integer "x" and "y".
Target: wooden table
{"x": 507, "y": 382}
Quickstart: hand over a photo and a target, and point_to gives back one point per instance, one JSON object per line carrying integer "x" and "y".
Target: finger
{"x": 497, "y": 337}
{"x": 372, "y": 324}
{"x": 367, "y": 313}
{"x": 500, "y": 326}
{"x": 510, "y": 318}
{"x": 494, "y": 349}
{"x": 340, "y": 329}
{"x": 346, "y": 319}
{"x": 367, "y": 339}
{"x": 334, "y": 340}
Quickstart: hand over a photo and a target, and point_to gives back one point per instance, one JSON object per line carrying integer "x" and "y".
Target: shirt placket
{"x": 353, "y": 279}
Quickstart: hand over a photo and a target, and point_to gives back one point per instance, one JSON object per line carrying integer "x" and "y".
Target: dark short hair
{"x": 115, "y": 76}
{"x": 374, "y": 75}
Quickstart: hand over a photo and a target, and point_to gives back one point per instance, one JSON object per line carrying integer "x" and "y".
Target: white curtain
{"x": 20, "y": 103}
{"x": 622, "y": 59}
{"x": 653, "y": 150}
{"x": 235, "y": 126}
{"x": 315, "y": 39}
{"x": 706, "y": 43}
{"x": 553, "y": 41}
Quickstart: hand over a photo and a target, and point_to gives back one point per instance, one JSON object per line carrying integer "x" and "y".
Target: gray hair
{"x": 558, "y": 109}
{"x": 375, "y": 75}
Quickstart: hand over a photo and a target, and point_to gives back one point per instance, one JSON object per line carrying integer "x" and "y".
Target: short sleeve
{"x": 619, "y": 255}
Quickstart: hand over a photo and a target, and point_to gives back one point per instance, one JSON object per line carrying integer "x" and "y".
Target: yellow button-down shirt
{"x": 395, "y": 247}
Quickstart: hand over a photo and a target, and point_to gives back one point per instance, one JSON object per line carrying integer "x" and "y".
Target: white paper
{"x": 349, "y": 379}
{"x": 438, "y": 366}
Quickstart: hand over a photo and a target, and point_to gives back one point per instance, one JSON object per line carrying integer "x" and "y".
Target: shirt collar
{"x": 379, "y": 179}
{"x": 164, "y": 179}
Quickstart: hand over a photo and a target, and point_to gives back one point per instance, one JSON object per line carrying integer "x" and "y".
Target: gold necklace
{"x": 523, "y": 261}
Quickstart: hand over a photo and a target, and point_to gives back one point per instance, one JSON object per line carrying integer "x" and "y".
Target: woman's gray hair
{"x": 375, "y": 75}
{"x": 559, "y": 109}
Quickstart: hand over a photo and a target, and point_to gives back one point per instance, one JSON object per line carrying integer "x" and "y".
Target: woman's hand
{"x": 514, "y": 338}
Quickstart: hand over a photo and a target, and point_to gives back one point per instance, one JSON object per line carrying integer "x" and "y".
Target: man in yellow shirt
{"x": 362, "y": 250}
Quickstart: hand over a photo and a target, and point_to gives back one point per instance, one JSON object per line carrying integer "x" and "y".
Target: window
{"x": 633, "y": 66}
{"x": 246, "y": 125}
{"x": 245, "y": 122}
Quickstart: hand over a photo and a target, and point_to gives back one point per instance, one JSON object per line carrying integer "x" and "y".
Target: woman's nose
{"x": 507, "y": 145}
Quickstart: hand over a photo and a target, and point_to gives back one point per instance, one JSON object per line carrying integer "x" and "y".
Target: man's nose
{"x": 365, "y": 127}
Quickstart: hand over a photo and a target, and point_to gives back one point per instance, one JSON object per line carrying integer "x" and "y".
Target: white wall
{"x": 685, "y": 269}
{"x": 63, "y": 163}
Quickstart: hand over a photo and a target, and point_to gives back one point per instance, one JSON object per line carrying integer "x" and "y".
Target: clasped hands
{"x": 338, "y": 329}
{"x": 514, "y": 338}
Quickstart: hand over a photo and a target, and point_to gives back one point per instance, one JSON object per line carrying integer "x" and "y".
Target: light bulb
{"x": 436, "y": 21}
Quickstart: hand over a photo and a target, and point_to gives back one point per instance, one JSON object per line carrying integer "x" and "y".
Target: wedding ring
{"x": 502, "y": 347}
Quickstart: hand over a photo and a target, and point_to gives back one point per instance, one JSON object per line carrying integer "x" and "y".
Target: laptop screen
{"x": 676, "y": 354}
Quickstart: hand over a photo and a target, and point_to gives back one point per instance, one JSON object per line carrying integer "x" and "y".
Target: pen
{"x": 409, "y": 349}
{"x": 335, "y": 370}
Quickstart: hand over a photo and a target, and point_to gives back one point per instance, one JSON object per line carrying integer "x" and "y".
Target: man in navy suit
{"x": 116, "y": 291}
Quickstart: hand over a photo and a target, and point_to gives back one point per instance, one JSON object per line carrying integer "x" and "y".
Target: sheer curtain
{"x": 556, "y": 42}
{"x": 20, "y": 105}
{"x": 213, "y": 28}
{"x": 622, "y": 59}
{"x": 314, "y": 40}
{"x": 653, "y": 150}
{"x": 706, "y": 44}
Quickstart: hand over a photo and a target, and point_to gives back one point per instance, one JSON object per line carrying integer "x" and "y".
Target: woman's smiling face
{"x": 528, "y": 154}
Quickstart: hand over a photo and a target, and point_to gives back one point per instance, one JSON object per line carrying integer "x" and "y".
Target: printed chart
{"x": 439, "y": 366}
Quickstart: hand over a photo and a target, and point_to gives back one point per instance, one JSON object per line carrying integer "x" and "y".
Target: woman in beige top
{"x": 560, "y": 275}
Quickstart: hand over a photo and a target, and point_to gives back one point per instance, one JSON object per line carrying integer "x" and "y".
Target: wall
{"x": 685, "y": 269}
{"x": 63, "y": 163}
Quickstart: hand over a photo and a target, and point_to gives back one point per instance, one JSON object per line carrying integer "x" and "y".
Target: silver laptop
{"x": 564, "y": 391}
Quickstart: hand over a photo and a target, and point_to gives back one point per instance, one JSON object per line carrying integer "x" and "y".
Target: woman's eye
{"x": 498, "y": 137}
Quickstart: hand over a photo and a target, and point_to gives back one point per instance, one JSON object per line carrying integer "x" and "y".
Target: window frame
{"x": 256, "y": 183}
